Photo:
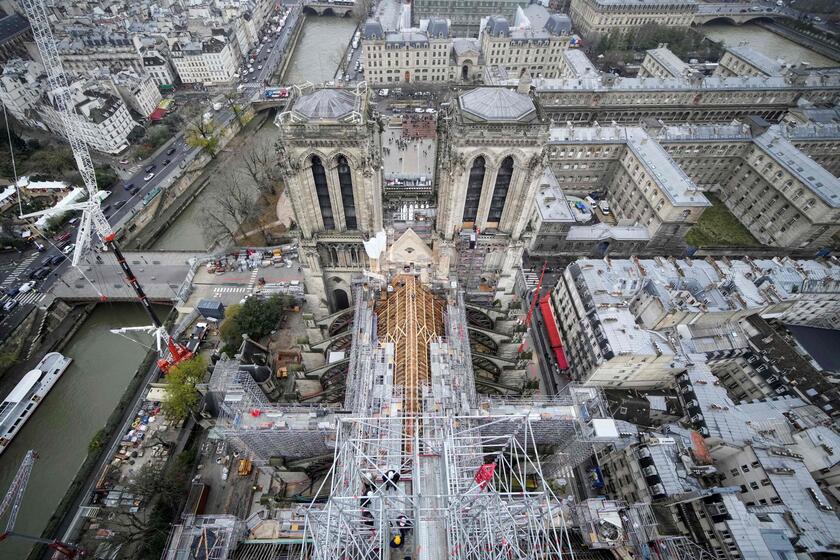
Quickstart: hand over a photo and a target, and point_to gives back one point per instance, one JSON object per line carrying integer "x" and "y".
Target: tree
{"x": 136, "y": 134}
{"x": 237, "y": 109}
{"x": 261, "y": 165}
{"x": 228, "y": 211}
{"x": 202, "y": 134}
{"x": 181, "y": 395}
{"x": 106, "y": 177}
{"x": 157, "y": 135}
{"x": 163, "y": 489}
{"x": 361, "y": 9}
{"x": 229, "y": 330}
{"x": 257, "y": 318}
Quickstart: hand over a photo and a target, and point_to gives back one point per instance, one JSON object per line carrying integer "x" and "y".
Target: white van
{"x": 604, "y": 206}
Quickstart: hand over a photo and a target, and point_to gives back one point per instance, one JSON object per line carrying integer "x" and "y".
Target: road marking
{"x": 230, "y": 289}
{"x": 21, "y": 267}
{"x": 30, "y": 297}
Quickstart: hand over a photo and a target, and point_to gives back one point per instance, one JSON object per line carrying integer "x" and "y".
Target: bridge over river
{"x": 162, "y": 274}
{"x": 735, "y": 13}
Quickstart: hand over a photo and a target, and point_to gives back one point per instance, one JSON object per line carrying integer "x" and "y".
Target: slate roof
{"x": 326, "y": 104}
{"x": 438, "y": 28}
{"x": 373, "y": 30}
{"x": 11, "y": 25}
{"x": 497, "y": 104}
{"x": 558, "y": 24}
{"x": 498, "y": 26}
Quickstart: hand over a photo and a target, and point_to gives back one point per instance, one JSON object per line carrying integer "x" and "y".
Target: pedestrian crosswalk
{"x": 30, "y": 297}
{"x": 231, "y": 289}
{"x": 253, "y": 280}
{"x": 21, "y": 267}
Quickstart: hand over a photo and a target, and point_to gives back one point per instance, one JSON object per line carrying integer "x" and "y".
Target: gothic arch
{"x": 519, "y": 158}
{"x": 306, "y": 158}
{"x": 352, "y": 161}
{"x": 476, "y": 177}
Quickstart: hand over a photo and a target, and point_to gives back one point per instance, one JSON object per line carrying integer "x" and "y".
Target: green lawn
{"x": 719, "y": 228}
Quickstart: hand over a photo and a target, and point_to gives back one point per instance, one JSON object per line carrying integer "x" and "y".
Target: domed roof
{"x": 497, "y": 104}
{"x": 326, "y": 104}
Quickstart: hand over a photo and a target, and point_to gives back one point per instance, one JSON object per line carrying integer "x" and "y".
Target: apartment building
{"x": 597, "y": 17}
{"x": 15, "y": 33}
{"x": 86, "y": 51}
{"x": 662, "y": 63}
{"x": 781, "y": 195}
{"x": 156, "y": 65}
{"x": 628, "y": 323}
{"x": 465, "y": 15}
{"x": 766, "y": 450}
{"x": 21, "y": 84}
{"x": 563, "y": 224}
{"x": 140, "y": 93}
{"x": 207, "y": 61}
{"x": 105, "y": 122}
{"x": 744, "y": 61}
{"x": 413, "y": 55}
{"x": 521, "y": 50}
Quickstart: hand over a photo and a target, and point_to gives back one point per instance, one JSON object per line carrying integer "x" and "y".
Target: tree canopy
{"x": 257, "y": 318}
{"x": 181, "y": 395}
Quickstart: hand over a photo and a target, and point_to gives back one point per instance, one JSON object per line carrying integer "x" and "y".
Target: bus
{"x": 276, "y": 93}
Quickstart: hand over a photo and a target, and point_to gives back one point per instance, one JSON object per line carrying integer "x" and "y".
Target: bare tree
{"x": 201, "y": 133}
{"x": 229, "y": 209}
{"x": 361, "y": 9}
{"x": 238, "y": 110}
{"x": 261, "y": 166}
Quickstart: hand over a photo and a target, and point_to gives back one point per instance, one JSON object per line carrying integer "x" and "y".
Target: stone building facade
{"x": 597, "y": 17}
{"x": 490, "y": 161}
{"x": 330, "y": 157}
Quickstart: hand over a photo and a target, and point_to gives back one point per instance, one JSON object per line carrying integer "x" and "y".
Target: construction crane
{"x": 12, "y": 502}
{"x": 93, "y": 220}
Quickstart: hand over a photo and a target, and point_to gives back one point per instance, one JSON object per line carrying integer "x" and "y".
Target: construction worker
{"x": 396, "y": 541}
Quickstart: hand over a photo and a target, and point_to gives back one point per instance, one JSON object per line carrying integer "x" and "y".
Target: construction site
{"x": 413, "y": 462}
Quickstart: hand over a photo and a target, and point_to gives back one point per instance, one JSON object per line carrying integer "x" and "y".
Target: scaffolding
{"x": 458, "y": 494}
{"x": 420, "y": 465}
{"x": 251, "y": 423}
{"x": 203, "y": 537}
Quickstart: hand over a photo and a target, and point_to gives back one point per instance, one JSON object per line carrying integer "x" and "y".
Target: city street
{"x": 120, "y": 205}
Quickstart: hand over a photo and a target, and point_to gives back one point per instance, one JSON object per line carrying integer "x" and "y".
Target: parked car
{"x": 604, "y": 206}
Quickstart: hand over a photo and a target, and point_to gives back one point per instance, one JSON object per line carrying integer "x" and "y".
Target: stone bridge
{"x": 260, "y": 103}
{"x": 736, "y": 14}
{"x": 323, "y": 8}
{"x": 162, "y": 274}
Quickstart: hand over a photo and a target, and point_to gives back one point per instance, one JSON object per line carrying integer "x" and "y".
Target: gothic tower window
{"x": 500, "y": 191}
{"x": 319, "y": 175}
{"x": 476, "y": 180}
{"x": 345, "y": 181}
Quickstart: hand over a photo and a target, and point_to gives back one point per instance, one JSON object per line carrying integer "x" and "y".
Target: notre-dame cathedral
{"x": 490, "y": 152}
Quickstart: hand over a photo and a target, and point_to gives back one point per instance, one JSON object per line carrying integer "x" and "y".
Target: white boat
{"x": 19, "y": 405}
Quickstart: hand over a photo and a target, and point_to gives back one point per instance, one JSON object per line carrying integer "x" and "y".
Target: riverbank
{"x": 97, "y": 456}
